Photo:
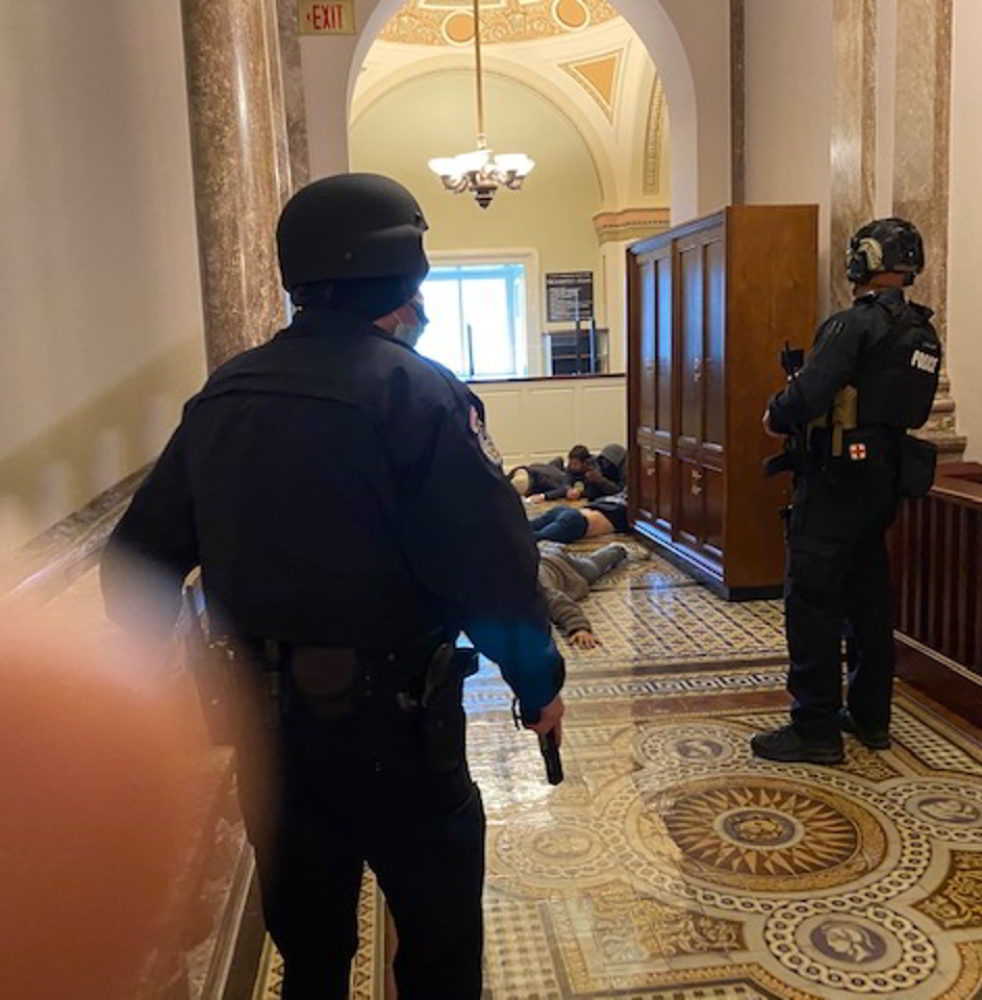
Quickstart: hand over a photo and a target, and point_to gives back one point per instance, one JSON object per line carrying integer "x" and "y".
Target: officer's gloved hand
{"x": 550, "y": 720}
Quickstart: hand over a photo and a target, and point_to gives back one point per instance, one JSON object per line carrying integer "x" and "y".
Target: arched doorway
{"x": 660, "y": 37}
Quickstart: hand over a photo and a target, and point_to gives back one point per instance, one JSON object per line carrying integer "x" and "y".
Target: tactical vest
{"x": 898, "y": 378}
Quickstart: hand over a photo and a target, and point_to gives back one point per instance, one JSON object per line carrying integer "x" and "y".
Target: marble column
{"x": 293, "y": 92}
{"x": 853, "y": 134}
{"x": 281, "y": 136}
{"x": 237, "y": 176}
{"x": 921, "y": 167}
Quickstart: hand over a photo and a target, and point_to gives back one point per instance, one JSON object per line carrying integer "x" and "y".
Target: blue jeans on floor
{"x": 561, "y": 524}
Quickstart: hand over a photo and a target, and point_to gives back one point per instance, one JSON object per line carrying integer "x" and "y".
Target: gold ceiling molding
{"x": 450, "y": 22}
{"x": 598, "y": 77}
{"x": 653, "y": 139}
{"x": 631, "y": 224}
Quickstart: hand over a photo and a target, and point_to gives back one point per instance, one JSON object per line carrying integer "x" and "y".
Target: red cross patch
{"x": 857, "y": 452}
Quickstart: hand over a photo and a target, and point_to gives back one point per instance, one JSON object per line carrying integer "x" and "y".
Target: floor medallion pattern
{"x": 672, "y": 865}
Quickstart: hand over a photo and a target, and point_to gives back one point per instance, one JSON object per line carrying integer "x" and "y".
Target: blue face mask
{"x": 409, "y": 333}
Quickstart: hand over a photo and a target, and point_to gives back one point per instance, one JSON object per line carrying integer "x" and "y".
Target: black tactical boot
{"x": 788, "y": 746}
{"x": 875, "y": 739}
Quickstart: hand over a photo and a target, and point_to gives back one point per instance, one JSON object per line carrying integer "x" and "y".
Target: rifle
{"x": 795, "y": 453}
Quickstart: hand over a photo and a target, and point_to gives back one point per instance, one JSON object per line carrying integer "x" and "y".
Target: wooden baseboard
{"x": 698, "y": 570}
{"x": 950, "y": 684}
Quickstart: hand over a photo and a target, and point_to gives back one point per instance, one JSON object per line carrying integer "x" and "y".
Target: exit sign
{"x": 336, "y": 17}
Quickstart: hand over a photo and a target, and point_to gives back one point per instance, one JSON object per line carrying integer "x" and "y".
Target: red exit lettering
{"x": 326, "y": 16}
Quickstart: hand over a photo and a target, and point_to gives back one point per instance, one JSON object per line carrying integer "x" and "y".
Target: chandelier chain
{"x": 481, "y": 134}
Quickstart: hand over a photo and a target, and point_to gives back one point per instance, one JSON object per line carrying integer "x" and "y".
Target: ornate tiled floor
{"x": 671, "y": 864}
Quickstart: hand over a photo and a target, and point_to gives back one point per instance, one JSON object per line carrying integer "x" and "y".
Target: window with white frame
{"x": 477, "y": 319}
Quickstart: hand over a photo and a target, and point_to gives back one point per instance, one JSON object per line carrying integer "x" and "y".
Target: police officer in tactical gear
{"x": 308, "y": 481}
{"x": 871, "y": 376}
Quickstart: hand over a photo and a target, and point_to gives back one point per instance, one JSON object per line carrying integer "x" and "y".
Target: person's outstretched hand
{"x": 584, "y": 639}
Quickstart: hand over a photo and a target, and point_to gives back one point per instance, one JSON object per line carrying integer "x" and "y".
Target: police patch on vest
{"x": 924, "y": 362}
{"x": 488, "y": 446}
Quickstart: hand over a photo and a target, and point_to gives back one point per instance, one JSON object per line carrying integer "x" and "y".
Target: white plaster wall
{"x": 789, "y": 110}
{"x": 704, "y": 31}
{"x": 965, "y": 224}
{"x": 534, "y": 420}
{"x": 100, "y": 311}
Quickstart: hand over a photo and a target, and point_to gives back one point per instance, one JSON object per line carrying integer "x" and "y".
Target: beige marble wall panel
{"x": 233, "y": 141}
{"x": 293, "y": 92}
{"x": 738, "y": 103}
{"x": 853, "y": 133}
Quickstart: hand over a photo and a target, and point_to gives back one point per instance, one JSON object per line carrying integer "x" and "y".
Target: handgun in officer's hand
{"x": 549, "y": 728}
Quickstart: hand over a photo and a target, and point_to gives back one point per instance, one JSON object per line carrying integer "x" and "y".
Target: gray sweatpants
{"x": 593, "y": 565}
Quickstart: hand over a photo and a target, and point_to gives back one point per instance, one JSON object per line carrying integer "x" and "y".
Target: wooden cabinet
{"x": 711, "y": 306}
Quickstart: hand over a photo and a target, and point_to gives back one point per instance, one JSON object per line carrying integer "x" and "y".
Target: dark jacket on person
{"x": 868, "y": 346}
{"x": 308, "y": 480}
{"x": 551, "y": 480}
{"x": 611, "y": 463}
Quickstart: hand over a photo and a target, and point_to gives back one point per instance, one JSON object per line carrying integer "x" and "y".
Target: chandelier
{"x": 480, "y": 171}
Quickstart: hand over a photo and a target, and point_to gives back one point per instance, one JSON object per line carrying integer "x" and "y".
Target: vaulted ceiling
{"x": 451, "y": 22}
{"x": 579, "y": 54}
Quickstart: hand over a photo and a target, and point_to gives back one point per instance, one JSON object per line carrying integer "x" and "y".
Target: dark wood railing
{"x": 937, "y": 565}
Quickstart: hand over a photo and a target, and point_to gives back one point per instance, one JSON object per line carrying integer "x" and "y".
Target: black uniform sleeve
{"x": 468, "y": 542}
{"x": 153, "y": 547}
{"x": 830, "y": 366}
{"x": 559, "y": 493}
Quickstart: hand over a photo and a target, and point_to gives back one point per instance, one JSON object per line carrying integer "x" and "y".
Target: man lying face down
{"x": 566, "y": 578}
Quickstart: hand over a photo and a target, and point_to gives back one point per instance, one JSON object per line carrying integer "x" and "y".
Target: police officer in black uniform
{"x": 308, "y": 480}
{"x": 871, "y": 376}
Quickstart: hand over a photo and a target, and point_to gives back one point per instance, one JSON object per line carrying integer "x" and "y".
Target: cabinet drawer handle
{"x": 697, "y": 370}
{"x": 696, "y": 490}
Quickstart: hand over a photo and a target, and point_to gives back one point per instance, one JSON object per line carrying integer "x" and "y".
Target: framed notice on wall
{"x": 569, "y": 296}
{"x": 333, "y": 17}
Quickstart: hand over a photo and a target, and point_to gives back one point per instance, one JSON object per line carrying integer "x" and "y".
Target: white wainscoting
{"x": 536, "y": 419}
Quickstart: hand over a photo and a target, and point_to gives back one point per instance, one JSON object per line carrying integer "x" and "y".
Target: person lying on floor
{"x": 566, "y": 578}
{"x": 600, "y": 475}
{"x": 540, "y": 482}
{"x": 570, "y": 524}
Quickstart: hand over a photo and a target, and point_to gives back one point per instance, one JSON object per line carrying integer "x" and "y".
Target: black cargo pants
{"x": 838, "y": 583}
{"x": 323, "y": 798}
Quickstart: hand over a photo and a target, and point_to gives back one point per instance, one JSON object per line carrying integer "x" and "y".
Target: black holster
{"x": 441, "y": 708}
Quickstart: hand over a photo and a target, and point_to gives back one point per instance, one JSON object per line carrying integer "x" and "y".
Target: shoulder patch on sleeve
{"x": 488, "y": 446}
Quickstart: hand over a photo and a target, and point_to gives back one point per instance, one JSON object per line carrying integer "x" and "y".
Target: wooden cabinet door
{"x": 645, "y": 330}
{"x": 664, "y": 347}
{"x": 700, "y": 393}
{"x": 654, "y": 323}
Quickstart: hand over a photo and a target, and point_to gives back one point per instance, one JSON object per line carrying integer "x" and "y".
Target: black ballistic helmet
{"x": 351, "y": 227}
{"x": 885, "y": 245}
